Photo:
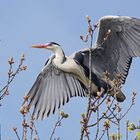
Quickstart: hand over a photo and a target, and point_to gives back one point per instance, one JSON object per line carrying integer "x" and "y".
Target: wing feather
{"x": 52, "y": 89}
{"x": 47, "y": 93}
{"x": 116, "y": 52}
{"x": 122, "y": 44}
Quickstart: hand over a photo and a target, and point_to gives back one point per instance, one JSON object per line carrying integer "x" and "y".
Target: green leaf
{"x": 138, "y": 138}
{"x": 138, "y": 134}
{"x": 131, "y": 126}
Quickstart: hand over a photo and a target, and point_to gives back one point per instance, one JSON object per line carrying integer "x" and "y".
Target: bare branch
{"x": 12, "y": 74}
{"x": 15, "y": 130}
{"x": 58, "y": 123}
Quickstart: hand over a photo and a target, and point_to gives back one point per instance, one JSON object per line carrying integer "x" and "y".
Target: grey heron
{"x": 64, "y": 77}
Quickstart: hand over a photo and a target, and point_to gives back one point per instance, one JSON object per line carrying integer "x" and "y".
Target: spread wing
{"x": 114, "y": 52}
{"x": 52, "y": 89}
{"x": 121, "y": 45}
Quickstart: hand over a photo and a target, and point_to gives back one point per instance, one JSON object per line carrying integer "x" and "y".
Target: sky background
{"x": 27, "y": 22}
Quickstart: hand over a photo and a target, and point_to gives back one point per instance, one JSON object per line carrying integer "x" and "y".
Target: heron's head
{"x": 50, "y": 46}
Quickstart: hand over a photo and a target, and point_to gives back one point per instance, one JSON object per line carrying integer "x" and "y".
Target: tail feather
{"x": 118, "y": 95}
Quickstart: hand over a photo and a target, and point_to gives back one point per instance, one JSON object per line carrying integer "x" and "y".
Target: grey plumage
{"x": 116, "y": 53}
{"x": 52, "y": 89}
{"x": 63, "y": 78}
{"x": 121, "y": 46}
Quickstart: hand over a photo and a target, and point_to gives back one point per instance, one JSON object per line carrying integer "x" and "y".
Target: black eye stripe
{"x": 53, "y": 43}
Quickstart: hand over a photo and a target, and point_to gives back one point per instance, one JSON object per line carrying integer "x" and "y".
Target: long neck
{"x": 59, "y": 56}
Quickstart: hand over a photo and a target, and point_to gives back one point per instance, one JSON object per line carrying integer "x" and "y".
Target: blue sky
{"x": 24, "y": 23}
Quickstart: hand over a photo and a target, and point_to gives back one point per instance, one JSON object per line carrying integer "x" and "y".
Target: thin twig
{"x": 132, "y": 103}
{"x": 112, "y": 112}
{"x": 15, "y": 130}
{"x": 97, "y": 132}
{"x": 33, "y": 127}
{"x": 107, "y": 132}
{"x": 118, "y": 129}
{"x": 89, "y": 111}
{"x": 56, "y": 125}
{"x": 102, "y": 134}
{"x": 12, "y": 75}
{"x": 127, "y": 122}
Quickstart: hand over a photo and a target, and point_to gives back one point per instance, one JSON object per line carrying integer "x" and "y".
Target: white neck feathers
{"x": 59, "y": 56}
